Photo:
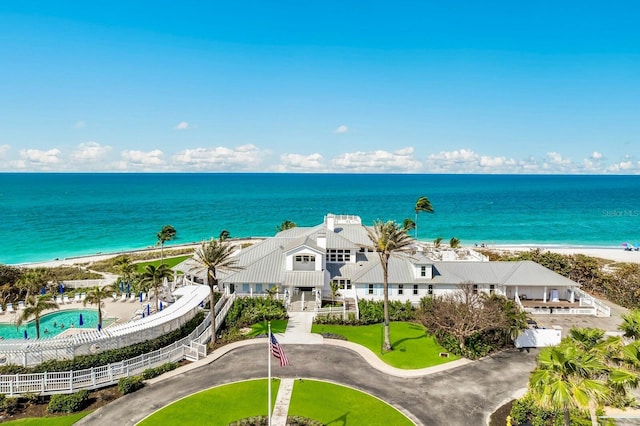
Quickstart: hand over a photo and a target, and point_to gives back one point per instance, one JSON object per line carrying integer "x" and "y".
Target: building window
{"x": 335, "y": 256}
{"x": 245, "y": 288}
{"x": 492, "y": 289}
{"x": 304, "y": 258}
{"x": 258, "y": 288}
{"x": 343, "y": 284}
{"x": 423, "y": 271}
{"x": 430, "y": 290}
{"x": 475, "y": 289}
{"x": 400, "y": 289}
{"x": 370, "y": 288}
{"x": 415, "y": 289}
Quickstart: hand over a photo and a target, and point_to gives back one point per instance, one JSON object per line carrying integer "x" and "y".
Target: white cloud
{"x": 38, "y": 157}
{"x": 596, "y": 155}
{"x": 557, "y": 158}
{"x": 79, "y": 124}
{"x": 342, "y": 129}
{"x": 90, "y": 152}
{"x": 245, "y": 157}
{"x": 468, "y": 161}
{"x": 379, "y": 161}
{"x": 140, "y": 159}
{"x": 3, "y": 150}
{"x": 301, "y": 163}
{"x": 183, "y": 125}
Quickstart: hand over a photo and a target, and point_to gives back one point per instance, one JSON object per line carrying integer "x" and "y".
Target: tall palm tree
{"x": 216, "y": 256}
{"x": 454, "y": 242}
{"x": 167, "y": 233}
{"x": 388, "y": 239}
{"x": 422, "y": 205}
{"x": 125, "y": 268}
{"x": 335, "y": 291}
{"x": 34, "y": 307}
{"x": 32, "y": 281}
{"x": 153, "y": 275}
{"x": 95, "y": 296}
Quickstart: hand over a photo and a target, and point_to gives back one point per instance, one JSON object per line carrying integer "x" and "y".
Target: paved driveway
{"x": 466, "y": 395}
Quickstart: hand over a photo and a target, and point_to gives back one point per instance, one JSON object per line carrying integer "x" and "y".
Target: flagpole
{"x": 269, "y": 374}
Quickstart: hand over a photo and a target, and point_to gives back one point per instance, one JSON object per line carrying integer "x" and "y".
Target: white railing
{"x": 86, "y": 283}
{"x": 50, "y": 383}
{"x": 518, "y": 302}
{"x": 587, "y": 299}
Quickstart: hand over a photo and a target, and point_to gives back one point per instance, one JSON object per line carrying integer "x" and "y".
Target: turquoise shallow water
{"x": 48, "y": 216}
{"x": 52, "y": 324}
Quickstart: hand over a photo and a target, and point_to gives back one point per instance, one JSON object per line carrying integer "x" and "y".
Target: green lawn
{"x": 328, "y": 403}
{"x": 49, "y": 421}
{"x": 335, "y": 405}
{"x": 218, "y": 406}
{"x": 412, "y": 347}
{"x": 169, "y": 261}
{"x": 277, "y": 326}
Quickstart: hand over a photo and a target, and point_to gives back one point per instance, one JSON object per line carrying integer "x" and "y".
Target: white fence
{"x": 33, "y": 352}
{"x": 86, "y": 283}
{"x": 49, "y": 383}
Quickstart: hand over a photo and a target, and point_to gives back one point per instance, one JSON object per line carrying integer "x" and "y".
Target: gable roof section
{"x": 529, "y": 273}
{"x": 267, "y": 269}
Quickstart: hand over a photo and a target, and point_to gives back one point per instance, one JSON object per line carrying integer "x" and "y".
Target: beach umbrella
{"x": 81, "y": 321}
{"x": 61, "y": 288}
{"x": 25, "y": 334}
{"x": 128, "y": 287}
{"x": 142, "y": 314}
{"x": 121, "y": 286}
{"x": 140, "y": 297}
{"x": 161, "y": 305}
{"x": 148, "y": 309}
{"x": 43, "y": 291}
{"x": 99, "y": 327}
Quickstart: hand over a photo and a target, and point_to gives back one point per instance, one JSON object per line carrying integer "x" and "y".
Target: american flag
{"x": 276, "y": 350}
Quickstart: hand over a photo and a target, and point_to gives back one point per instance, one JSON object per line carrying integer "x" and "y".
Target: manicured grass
{"x": 338, "y": 405}
{"x": 49, "y": 421}
{"x": 169, "y": 261}
{"x": 218, "y": 406}
{"x": 277, "y": 326}
{"x": 412, "y": 347}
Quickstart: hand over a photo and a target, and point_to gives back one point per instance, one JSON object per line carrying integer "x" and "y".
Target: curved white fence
{"x": 193, "y": 346}
{"x": 33, "y": 352}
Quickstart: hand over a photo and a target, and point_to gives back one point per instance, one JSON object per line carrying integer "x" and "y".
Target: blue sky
{"x": 403, "y": 87}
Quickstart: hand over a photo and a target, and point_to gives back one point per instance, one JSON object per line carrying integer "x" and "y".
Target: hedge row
{"x": 68, "y": 403}
{"x": 250, "y": 310}
{"x": 372, "y": 312}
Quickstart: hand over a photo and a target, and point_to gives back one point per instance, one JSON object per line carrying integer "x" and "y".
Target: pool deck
{"x": 122, "y": 311}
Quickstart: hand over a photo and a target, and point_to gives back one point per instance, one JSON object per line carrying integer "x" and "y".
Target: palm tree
{"x": 154, "y": 276}
{"x": 569, "y": 377}
{"x": 437, "y": 242}
{"x": 95, "y": 296}
{"x": 224, "y": 234}
{"x": 335, "y": 291}
{"x": 454, "y": 242}
{"x": 631, "y": 324}
{"x": 125, "y": 268}
{"x": 408, "y": 224}
{"x": 34, "y": 307}
{"x": 272, "y": 291}
{"x": 167, "y": 233}
{"x": 422, "y": 205}
{"x": 287, "y": 224}
{"x": 388, "y": 239}
{"x": 32, "y": 281}
{"x": 216, "y": 256}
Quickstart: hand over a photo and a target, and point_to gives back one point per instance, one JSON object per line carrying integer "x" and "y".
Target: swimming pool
{"x": 53, "y": 324}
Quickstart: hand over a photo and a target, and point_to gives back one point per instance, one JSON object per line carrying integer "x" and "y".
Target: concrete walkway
{"x": 299, "y": 330}
{"x": 281, "y": 409}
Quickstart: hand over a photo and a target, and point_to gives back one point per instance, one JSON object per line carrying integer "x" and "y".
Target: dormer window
{"x": 423, "y": 271}
{"x": 303, "y": 258}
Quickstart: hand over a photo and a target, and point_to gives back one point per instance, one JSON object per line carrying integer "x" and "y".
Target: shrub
{"x": 8, "y": 405}
{"x": 150, "y": 373}
{"x": 130, "y": 384}
{"x": 250, "y": 310}
{"x": 70, "y": 403}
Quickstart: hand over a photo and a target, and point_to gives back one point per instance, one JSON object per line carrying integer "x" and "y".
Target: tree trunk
{"x": 37, "y": 328}
{"x": 386, "y": 346}
{"x": 567, "y": 417}
{"x": 99, "y": 313}
{"x": 592, "y": 413}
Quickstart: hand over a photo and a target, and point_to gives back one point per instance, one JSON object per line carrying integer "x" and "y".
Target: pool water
{"x": 53, "y": 324}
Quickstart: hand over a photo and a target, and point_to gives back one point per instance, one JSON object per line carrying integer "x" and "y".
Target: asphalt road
{"x": 465, "y": 395}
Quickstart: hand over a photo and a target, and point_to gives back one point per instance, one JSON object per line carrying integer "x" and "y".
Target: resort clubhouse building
{"x": 302, "y": 262}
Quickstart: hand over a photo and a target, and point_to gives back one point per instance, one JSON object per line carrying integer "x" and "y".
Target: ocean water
{"x": 48, "y": 216}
